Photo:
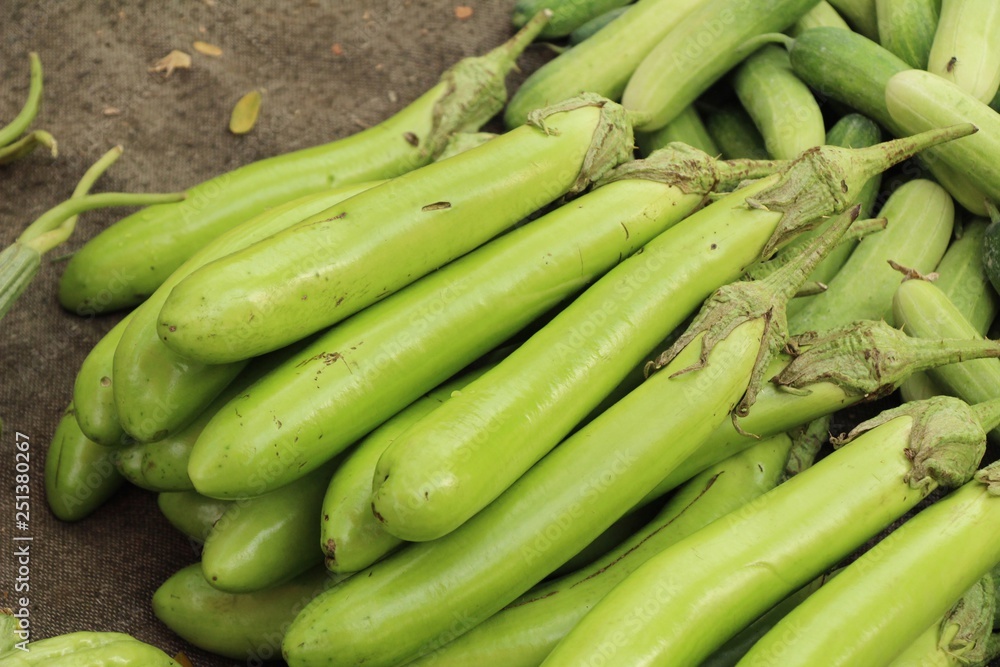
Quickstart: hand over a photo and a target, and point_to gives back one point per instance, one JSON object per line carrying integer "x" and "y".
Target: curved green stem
{"x": 26, "y": 145}
{"x": 506, "y": 54}
{"x": 87, "y": 181}
{"x": 16, "y": 127}
{"x": 96, "y": 171}
{"x": 55, "y": 225}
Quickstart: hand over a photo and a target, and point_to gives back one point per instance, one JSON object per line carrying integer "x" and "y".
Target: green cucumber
{"x": 907, "y": 27}
{"x": 964, "y": 50}
{"x": 823, "y": 15}
{"x": 603, "y": 63}
{"x": 781, "y": 106}
{"x": 686, "y": 128}
{"x": 920, "y": 217}
{"x": 845, "y": 66}
{"x": 917, "y": 100}
{"x": 860, "y": 14}
{"x": 699, "y": 50}
{"x": 567, "y": 15}
{"x": 595, "y": 25}
{"x": 734, "y": 133}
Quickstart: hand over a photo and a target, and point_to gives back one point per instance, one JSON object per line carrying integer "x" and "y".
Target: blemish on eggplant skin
{"x": 714, "y": 246}
{"x": 843, "y": 186}
{"x": 411, "y": 138}
{"x": 437, "y": 206}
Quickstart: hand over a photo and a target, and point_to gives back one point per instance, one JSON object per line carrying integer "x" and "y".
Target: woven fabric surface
{"x": 100, "y": 573}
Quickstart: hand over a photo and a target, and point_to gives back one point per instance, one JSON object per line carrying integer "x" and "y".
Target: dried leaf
{"x": 337, "y": 49}
{"x": 111, "y": 111}
{"x": 207, "y": 49}
{"x": 245, "y": 113}
{"x": 173, "y": 60}
{"x": 462, "y": 12}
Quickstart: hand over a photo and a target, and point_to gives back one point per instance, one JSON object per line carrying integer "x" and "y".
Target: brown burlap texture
{"x": 100, "y": 573}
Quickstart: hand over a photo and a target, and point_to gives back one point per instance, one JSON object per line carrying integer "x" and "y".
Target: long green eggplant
{"x": 79, "y": 474}
{"x": 528, "y": 629}
{"x": 242, "y": 626}
{"x": 863, "y": 361}
{"x": 341, "y": 260}
{"x": 876, "y": 601}
{"x": 463, "y": 456}
{"x": 157, "y": 392}
{"x": 369, "y": 367}
{"x": 961, "y": 278}
{"x": 261, "y": 542}
{"x": 350, "y": 535}
{"x": 685, "y": 602}
{"x": 127, "y": 262}
{"x": 428, "y": 594}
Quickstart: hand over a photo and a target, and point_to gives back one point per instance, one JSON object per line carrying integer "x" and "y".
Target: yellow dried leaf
{"x": 173, "y": 60}
{"x": 245, "y": 113}
{"x": 207, "y": 49}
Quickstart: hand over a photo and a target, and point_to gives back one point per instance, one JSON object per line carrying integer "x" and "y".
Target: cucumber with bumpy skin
{"x": 906, "y": 28}
{"x": 706, "y": 44}
{"x": 687, "y": 128}
{"x": 920, "y": 217}
{"x": 567, "y": 15}
{"x": 917, "y": 100}
{"x": 847, "y": 67}
{"x": 603, "y": 63}
{"x": 782, "y": 107}
{"x": 964, "y": 49}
